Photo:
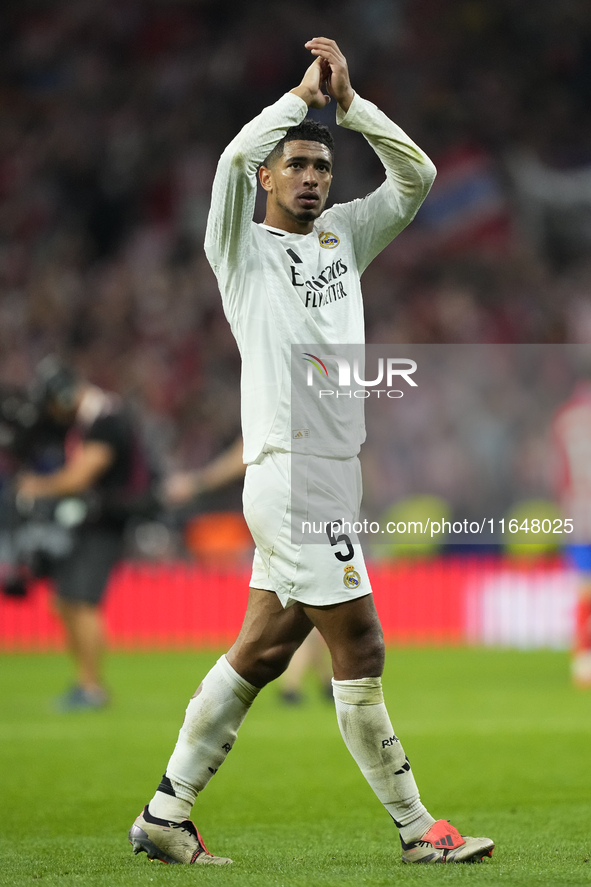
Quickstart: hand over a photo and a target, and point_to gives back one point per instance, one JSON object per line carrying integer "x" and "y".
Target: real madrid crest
{"x": 328, "y": 240}
{"x": 351, "y": 579}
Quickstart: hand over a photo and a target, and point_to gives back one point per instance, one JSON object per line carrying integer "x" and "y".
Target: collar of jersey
{"x": 283, "y": 233}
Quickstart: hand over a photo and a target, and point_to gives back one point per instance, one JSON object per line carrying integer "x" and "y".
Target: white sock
{"x": 368, "y": 734}
{"x": 209, "y": 730}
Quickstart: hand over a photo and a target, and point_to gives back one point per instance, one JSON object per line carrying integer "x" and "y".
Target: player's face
{"x": 297, "y": 185}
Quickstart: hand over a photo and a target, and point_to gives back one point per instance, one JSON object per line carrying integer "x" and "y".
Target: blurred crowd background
{"x": 114, "y": 112}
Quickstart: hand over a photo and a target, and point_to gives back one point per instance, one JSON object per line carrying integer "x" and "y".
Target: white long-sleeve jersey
{"x": 280, "y": 289}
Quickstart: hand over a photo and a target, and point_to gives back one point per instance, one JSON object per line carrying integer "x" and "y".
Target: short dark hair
{"x": 308, "y": 130}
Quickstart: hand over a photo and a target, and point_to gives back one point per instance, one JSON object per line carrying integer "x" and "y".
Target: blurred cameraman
{"x": 103, "y": 458}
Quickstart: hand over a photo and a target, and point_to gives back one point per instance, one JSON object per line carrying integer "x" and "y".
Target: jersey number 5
{"x": 335, "y": 540}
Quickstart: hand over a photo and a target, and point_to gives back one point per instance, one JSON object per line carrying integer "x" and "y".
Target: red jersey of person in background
{"x": 572, "y": 434}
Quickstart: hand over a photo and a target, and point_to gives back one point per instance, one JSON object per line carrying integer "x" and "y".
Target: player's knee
{"x": 274, "y": 660}
{"x": 378, "y": 659}
{"x": 372, "y": 652}
{"x": 367, "y": 639}
{"x": 360, "y": 656}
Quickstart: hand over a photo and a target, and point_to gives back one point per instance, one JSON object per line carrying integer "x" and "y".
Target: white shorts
{"x": 317, "y": 573}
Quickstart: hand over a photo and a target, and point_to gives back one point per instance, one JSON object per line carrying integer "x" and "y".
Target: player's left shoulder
{"x": 332, "y": 230}
{"x": 328, "y": 239}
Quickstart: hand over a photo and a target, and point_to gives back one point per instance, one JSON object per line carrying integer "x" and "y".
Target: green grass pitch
{"x": 499, "y": 741}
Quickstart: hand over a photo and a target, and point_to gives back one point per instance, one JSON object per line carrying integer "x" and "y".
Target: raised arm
{"x": 379, "y": 217}
{"x": 233, "y": 196}
{"x": 376, "y": 219}
{"x": 234, "y": 189}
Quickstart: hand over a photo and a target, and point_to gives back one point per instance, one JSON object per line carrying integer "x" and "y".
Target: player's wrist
{"x": 344, "y": 100}
{"x": 303, "y": 93}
